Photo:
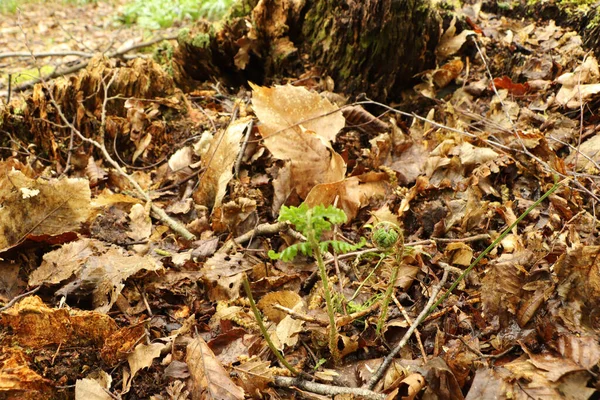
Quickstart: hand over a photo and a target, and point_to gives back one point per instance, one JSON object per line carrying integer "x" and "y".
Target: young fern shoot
{"x": 388, "y": 237}
{"x": 312, "y": 223}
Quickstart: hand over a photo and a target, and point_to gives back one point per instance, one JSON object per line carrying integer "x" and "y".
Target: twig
{"x": 326, "y": 390}
{"x": 263, "y": 329}
{"x": 494, "y": 244}
{"x": 474, "y": 238}
{"x": 438, "y": 314}
{"x": 347, "y": 319}
{"x": 238, "y": 162}
{"x": 83, "y": 64}
{"x": 9, "y": 89}
{"x": 262, "y": 229}
{"x": 302, "y": 317}
{"x": 17, "y": 298}
{"x": 409, "y": 321}
{"x": 390, "y": 357}
{"x": 46, "y": 54}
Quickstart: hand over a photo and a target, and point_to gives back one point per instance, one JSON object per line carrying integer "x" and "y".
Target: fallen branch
{"x": 21, "y": 54}
{"x": 83, "y": 64}
{"x": 326, "y": 390}
{"x": 390, "y": 357}
{"x": 262, "y": 229}
{"x": 19, "y": 297}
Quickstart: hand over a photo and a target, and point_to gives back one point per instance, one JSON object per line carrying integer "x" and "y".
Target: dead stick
{"x": 17, "y": 298}
{"x": 390, "y": 357}
{"x": 262, "y": 229}
{"x": 326, "y": 390}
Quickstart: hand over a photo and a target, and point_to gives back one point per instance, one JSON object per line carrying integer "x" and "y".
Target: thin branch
{"x": 390, "y": 357}
{"x": 17, "y": 298}
{"x": 302, "y": 317}
{"x": 326, "y": 390}
{"x": 262, "y": 229}
{"x": 157, "y": 211}
{"x": 22, "y": 54}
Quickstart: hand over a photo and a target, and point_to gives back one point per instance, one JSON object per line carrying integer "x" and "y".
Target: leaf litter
{"x": 126, "y": 307}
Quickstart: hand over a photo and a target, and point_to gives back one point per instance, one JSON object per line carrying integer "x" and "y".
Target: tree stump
{"x": 370, "y": 46}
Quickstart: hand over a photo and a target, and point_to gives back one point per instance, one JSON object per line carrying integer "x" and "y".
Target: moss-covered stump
{"x": 371, "y": 46}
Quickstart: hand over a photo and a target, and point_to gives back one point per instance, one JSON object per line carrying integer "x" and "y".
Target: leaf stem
{"x": 263, "y": 329}
{"x": 312, "y": 240}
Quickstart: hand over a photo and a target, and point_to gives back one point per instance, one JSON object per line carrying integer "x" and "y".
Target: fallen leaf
{"x": 218, "y": 163}
{"x": 299, "y": 126}
{"x": 142, "y": 357}
{"x": 40, "y": 207}
{"x": 209, "y": 380}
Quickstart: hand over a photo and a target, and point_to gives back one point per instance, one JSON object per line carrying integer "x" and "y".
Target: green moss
{"x": 163, "y": 55}
{"x": 201, "y": 40}
{"x": 240, "y": 8}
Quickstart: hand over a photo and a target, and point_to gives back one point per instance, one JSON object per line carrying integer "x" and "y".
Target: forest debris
{"x": 142, "y": 357}
{"x": 98, "y": 270}
{"x": 35, "y": 325}
{"x": 95, "y": 387}
{"x": 351, "y": 193}
{"x": 18, "y": 380}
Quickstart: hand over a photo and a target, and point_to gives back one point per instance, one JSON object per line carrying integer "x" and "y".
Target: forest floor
{"x": 136, "y": 220}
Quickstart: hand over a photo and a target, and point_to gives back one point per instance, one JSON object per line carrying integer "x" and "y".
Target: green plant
{"x": 312, "y": 223}
{"x": 156, "y": 14}
{"x": 388, "y": 237}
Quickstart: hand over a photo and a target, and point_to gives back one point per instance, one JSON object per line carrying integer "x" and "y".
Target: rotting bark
{"x": 372, "y": 46}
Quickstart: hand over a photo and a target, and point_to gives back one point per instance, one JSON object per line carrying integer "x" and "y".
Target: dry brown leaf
{"x": 140, "y": 226}
{"x": 286, "y": 298}
{"x": 97, "y": 268}
{"x": 209, "y": 380}
{"x": 288, "y": 329}
{"x": 579, "y": 273}
{"x": 299, "y": 126}
{"x": 413, "y": 384}
{"x": 460, "y": 253}
{"x": 39, "y": 207}
{"x": 255, "y": 375}
{"x": 223, "y": 275}
{"x": 94, "y": 388}
{"x": 141, "y": 357}
{"x": 351, "y": 193}
{"x": 584, "y": 350}
{"x": 94, "y": 172}
{"x": 554, "y": 366}
{"x": 450, "y": 43}
{"x": 219, "y": 161}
